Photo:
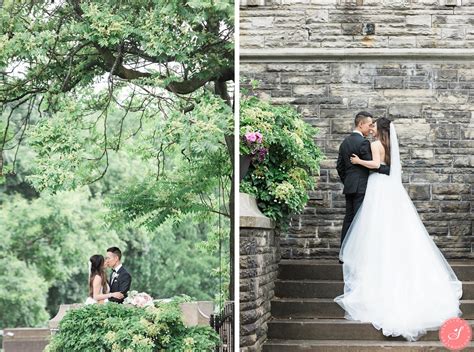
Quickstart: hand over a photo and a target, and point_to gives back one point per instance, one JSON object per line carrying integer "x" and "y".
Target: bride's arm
{"x": 96, "y": 285}
{"x": 370, "y": 164}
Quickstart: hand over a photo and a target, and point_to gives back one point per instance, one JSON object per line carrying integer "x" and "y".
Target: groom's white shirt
{"x": 359, "y": 132}
{"x": 115, "y": 274}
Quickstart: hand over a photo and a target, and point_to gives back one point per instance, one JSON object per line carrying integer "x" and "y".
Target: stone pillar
{"x": 63, "y": 309}
{"x": 259, "y": 258}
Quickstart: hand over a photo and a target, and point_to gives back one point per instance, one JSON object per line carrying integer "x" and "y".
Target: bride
{"x": 98, "y": 286}
{"x": 395, "y": 277}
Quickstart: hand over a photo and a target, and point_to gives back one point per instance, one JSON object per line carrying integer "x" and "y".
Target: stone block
{"x": 464, "y": 161}
{"x": 309, "y": 90}
{"x": 419, "y": 20}
{"x": 341, "y": 126}
{"x": 455, "y": 207}
{"x": 280, "y": 67}
{"x": 388, "y": 82}
{"x": 402, "y": 42}
{"x": 447, "y": 131}
{"x": 451, "y": 188}
{"x": 422, "y": 153}
{"x": 404, "y": 111}
{"x": 317, "y": 16}
{"x": 452, "y": 33}
{"x": 461, "y": 228}
{"x": 450, "y": 2}
{"x": 418, "y": 192}
{"x": 453, "y": 97}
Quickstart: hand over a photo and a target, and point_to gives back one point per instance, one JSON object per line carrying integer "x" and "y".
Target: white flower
{"x": 137, "y": 299}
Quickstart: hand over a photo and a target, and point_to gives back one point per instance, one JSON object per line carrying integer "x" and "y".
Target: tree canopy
{"x": 77, "y": 57}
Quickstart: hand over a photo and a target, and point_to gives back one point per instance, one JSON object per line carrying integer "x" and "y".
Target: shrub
{"x": 115, "y": 327}
{"x": 280, "y": 181}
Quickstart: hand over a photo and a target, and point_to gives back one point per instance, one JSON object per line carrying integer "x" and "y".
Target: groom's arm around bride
{"x": 354, "y": 177}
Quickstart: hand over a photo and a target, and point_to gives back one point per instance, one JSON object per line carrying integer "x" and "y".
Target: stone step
{"x": 334, "y": 329}
{"x": 331, "y": 289}
{"x": 355, "y": 346}
{"x": 327, "y": 308}
{"x": 306, "y": 269}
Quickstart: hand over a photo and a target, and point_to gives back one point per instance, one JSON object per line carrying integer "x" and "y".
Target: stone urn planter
{"x": 245, "y": 161}
{"x": 53, "y": 324}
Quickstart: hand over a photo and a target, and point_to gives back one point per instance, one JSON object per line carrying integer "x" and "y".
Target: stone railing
{"x": 25, "y": 339}
{"x": 259, "y": 258}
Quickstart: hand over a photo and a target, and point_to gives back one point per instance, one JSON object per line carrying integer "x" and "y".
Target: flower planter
{"x": 245, "y": 161}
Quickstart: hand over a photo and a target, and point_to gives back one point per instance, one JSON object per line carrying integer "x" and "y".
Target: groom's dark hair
{"x": 116, "y": 251}
{"x": 361, "y": 116}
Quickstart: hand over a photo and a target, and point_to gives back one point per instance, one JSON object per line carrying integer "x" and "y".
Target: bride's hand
{"x": 118, "y": 295}
{"x": 355, "y": 159}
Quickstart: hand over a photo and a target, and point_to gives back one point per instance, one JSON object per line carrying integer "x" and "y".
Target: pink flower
{"x": 262, "y": 153}
{"x": 259, "y": 137}
{"x": 251, "y": 136}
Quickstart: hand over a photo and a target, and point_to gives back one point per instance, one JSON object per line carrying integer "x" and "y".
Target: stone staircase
{"x": 305, "y": 317}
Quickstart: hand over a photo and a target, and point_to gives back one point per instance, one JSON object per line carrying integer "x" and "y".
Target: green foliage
{"x": 45, "y": 232}
{"x": 282, "y": 180}
{"x": 188, "y": 182}
{"x": 71, "y": 43}
{"x": 114, "y": 327}
{"x": 175, "y": 258}
{"x": 22, "y": 288}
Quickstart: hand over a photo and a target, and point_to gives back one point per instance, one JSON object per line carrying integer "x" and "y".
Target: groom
{"x": 355, "y": 177}
{"x": 120, "y": 278}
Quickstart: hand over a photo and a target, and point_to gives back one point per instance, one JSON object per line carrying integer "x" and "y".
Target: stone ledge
{"x": 256, "y": 222}
{"x": 354, "y": 54}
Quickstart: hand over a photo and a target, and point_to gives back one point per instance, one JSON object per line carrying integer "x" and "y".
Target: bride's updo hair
{"x": 383, "y": 135}
{"x": 97, "y": 268}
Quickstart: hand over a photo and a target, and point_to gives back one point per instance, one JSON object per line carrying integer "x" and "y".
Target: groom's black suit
{"x": 354, "y": 177}
{"x": 120, "y": 283}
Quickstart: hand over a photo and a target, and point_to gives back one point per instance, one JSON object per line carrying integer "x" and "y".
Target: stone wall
{"x": 428, "y": 92}
{"x": 259, "y": 258}
{"x": 358, "y": 24}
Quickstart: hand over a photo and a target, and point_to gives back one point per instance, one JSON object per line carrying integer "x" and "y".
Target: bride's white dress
{"x": 395, "y": 277}
{"x": 91, "y": 300}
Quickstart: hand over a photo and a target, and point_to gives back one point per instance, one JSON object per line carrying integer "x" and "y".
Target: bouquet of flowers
{"x": 139, "y": 299}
